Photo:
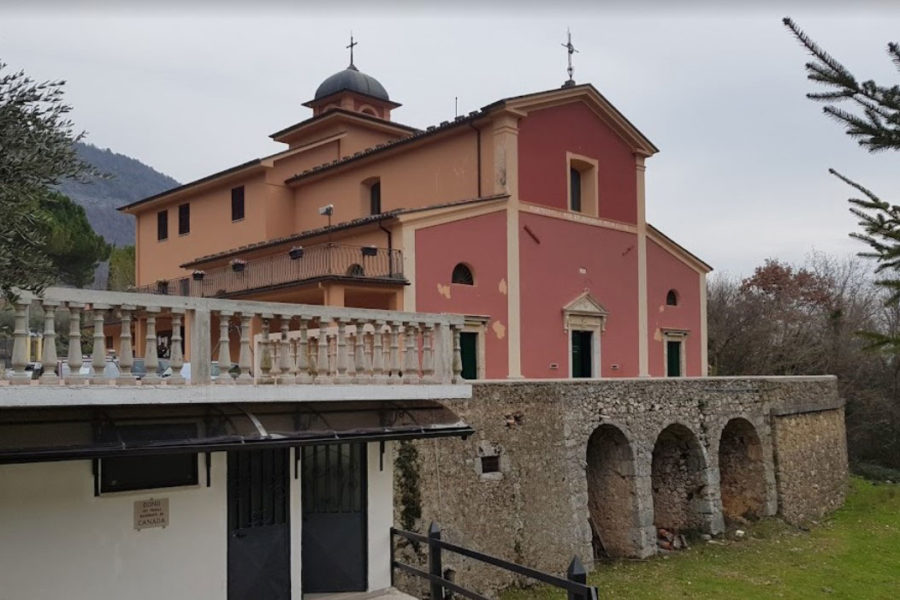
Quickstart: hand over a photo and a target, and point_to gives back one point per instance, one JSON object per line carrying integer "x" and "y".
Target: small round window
{"x": 462, "y": 275}
{"x": 672, "y": 298}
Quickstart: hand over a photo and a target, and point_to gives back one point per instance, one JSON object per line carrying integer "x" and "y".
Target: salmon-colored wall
{"x": 430, "y": 174}
{"x": 544, "y": 138}
{"x": 479, "y": 242}
{"x": 212, "y": 229}
{"x": 551, "y": 277}
{"x": 665, "y": 272}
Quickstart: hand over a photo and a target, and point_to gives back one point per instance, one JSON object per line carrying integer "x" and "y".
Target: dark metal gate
{"x": 259, "y": 558}
{"x": 334, "y": 518}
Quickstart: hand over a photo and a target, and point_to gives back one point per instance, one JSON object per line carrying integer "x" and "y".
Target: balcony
{"x": 361, "y": 264}
{"x": 283, "y": 352}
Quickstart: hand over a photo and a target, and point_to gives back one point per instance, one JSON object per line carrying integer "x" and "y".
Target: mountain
{"x": 128, "y": 180}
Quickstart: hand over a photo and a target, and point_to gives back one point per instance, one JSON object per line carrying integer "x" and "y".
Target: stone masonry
{"x": 592, "y": 468}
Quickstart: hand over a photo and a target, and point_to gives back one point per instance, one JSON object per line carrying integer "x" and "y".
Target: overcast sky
{"x": 742, "y": 170}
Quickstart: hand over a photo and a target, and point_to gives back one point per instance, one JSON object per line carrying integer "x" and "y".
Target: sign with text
{"x": 151, "y": 513}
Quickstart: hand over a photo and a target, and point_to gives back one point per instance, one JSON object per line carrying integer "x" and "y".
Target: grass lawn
{"x": 855, "y": 553}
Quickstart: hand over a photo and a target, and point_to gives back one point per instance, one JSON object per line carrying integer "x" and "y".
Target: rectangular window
{"x": 184, "y": 219}
{"x": 574, "y": 189}
{"x": 582, "y": 353}
{"x": 127, "y": 473}
{"x": 162, "y": 225}
{"x": 237, "y": 203}
{"x": 375, "y": 198}
{"x": 673, "y": 358}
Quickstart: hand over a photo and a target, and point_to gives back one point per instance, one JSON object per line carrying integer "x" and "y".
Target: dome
{"x": 351, "y": 79}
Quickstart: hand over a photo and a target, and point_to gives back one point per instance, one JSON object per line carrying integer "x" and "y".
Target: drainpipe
{"x": 478, "y": 150}
{"x": 390, "y": 238}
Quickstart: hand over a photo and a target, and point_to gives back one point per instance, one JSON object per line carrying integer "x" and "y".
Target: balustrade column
{"x": 457, "y": 355}
{"x": 126, "y": 356}
{"x": 394, "y": 375}
{"x": 19, "y": 375}
{"x": 75, "y": 357}
{"x": 322, "y": 375}
{"x": 411, "y": 354}
{"x": 378, "y": 353}
{"x": 428, "y": 353}
{"x": 285, "y": 363}
{"x": 265, "y": 359}
{"x": 224, "y": 348}
{"x": 98, "y": 354}
{"x": 151, "y": 348}
{"x": 303, "y": 357}
{"x": 361, "y": 372}
{"x": 245, "y": 358}
{"x": 48, "y": 354}
{"x": 342, "y": 352}
{"x": 176, "y": 356}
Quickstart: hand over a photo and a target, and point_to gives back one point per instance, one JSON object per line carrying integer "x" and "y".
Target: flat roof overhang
{"x": 78, "y": 433}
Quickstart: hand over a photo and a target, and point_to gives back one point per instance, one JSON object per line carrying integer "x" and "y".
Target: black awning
{"x": 71, "y": 433}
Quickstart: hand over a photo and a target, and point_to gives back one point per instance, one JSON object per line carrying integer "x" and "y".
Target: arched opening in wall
{"x": 462, "y": 275}
{"x": 612, "y": 503}
{"x": 741, "y": 471}
{"x": 672, "y": 298}
{"x": 677, "y": 479}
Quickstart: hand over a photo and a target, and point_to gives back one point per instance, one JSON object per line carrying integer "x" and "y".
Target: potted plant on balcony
{"x": 162, "y": 286}
{"x": 238, "y": 264}
{"x": 296, "y": 252}
{"x": 198, "y": 275}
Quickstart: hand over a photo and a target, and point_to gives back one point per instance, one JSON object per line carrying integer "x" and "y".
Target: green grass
{"x": 855, "y": 553}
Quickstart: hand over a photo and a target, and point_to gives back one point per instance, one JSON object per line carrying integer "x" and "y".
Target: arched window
{"x": 356, "y": 270}
{"x": 462, "y": 275}
{"x": 672, "y": 298}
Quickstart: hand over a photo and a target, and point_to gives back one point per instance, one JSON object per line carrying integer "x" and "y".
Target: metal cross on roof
{"x": 571, "y": 50}
{"x": 352, "y": 44}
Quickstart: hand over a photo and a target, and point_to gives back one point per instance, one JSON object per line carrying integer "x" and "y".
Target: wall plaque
{"x": 151, "y": 513}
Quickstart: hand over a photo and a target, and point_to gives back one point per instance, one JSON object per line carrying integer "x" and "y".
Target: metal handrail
{"x": 575, "y": 583}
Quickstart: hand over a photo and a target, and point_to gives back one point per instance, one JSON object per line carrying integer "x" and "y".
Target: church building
{"x": 526, "y": 216}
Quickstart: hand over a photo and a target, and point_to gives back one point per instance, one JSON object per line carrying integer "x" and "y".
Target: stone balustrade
{"x": 292, "y": 344}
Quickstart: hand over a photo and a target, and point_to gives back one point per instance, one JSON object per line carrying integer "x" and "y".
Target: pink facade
{"x": 546, "y": 135}
{"x": 570, "y": 259}
{"x": 666, "y": 272}
{"x": 479, "y": 243}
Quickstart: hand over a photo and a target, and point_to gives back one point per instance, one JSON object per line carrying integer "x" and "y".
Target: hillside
{"x": 129, "y": 180}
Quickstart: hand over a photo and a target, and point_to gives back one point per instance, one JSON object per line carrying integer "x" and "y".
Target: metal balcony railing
{"x": 298, "y": 265}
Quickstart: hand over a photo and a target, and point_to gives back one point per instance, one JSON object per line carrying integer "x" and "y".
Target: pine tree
{"x": 870, "y": 113}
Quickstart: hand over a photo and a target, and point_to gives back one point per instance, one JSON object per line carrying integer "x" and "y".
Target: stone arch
{"x": 678, "y": 474}
{"x": 612, "y": 493}
{"x": 742, "y": 477}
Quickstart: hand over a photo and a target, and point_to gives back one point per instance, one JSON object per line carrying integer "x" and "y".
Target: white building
{"x": 212, "y": 489}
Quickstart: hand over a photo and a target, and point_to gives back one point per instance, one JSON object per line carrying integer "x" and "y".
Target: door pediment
{"x": 584, "y": 312}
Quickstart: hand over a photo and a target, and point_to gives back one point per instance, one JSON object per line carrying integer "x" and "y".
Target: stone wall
{"x": 563, "y": 468}
{"x": 811, "y": 463}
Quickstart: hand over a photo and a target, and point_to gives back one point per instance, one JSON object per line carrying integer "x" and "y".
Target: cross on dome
{"x": 350, "y": 46}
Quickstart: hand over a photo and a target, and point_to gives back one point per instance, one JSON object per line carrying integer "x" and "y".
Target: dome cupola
{"x": 352, "y": 90}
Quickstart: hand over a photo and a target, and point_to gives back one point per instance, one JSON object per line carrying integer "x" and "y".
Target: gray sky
{"x": 742, "y": 169}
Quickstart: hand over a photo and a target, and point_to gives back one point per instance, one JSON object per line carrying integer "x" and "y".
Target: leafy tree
{"x": 71, "y": 243}
{"x": 870, "y": 113}
{"x": 121, "y": 268}
{"x": 35, "y": 152}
